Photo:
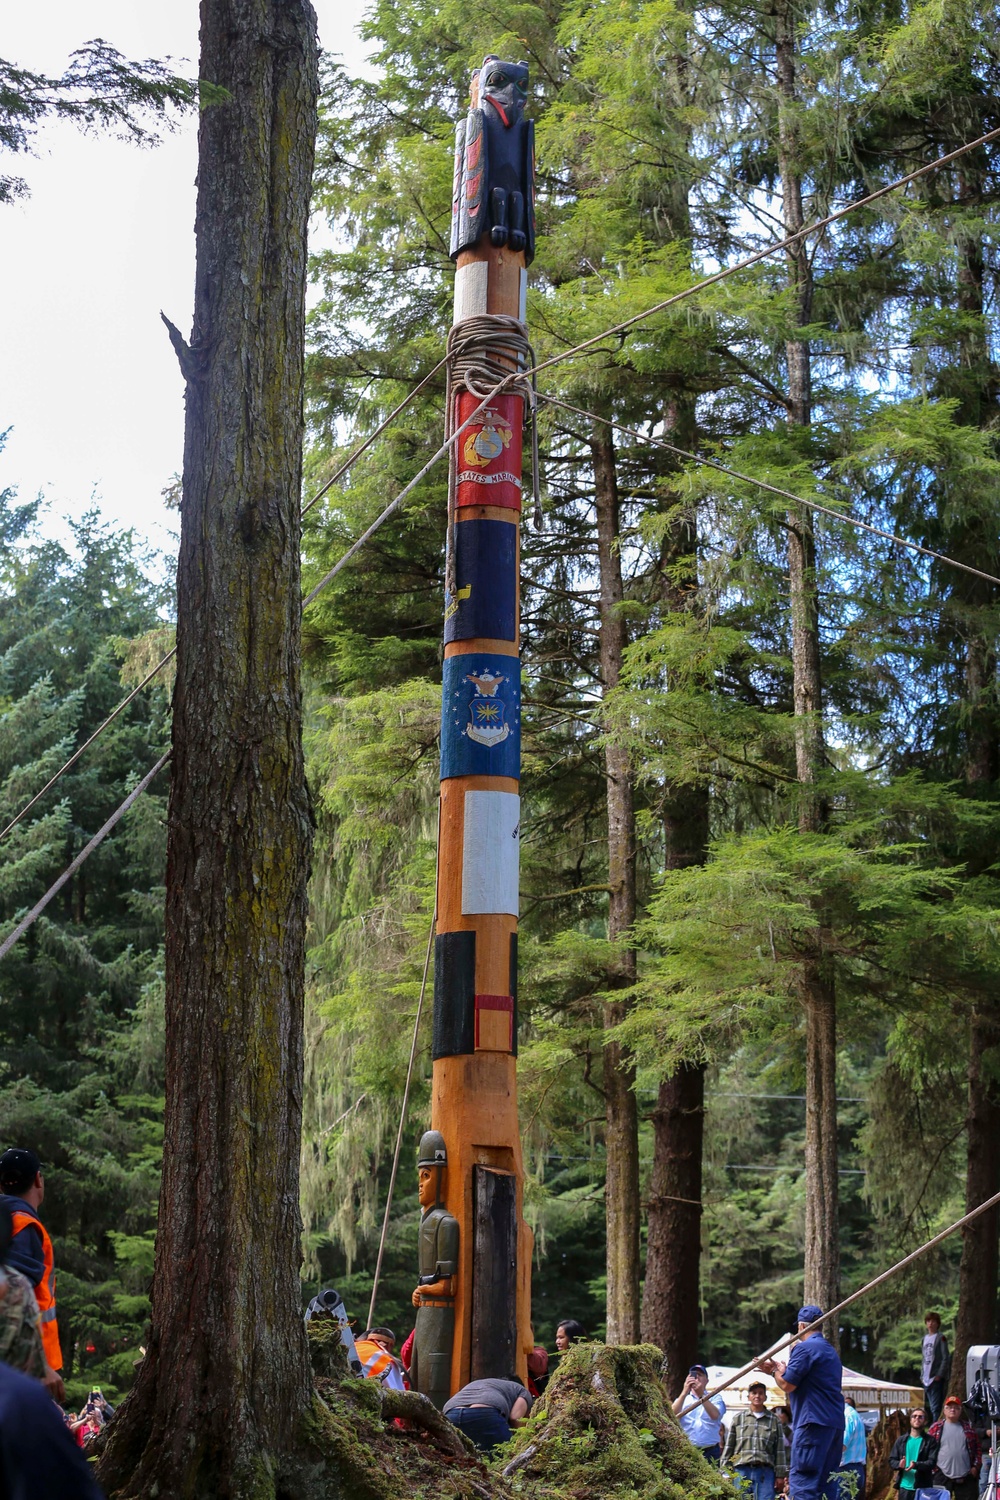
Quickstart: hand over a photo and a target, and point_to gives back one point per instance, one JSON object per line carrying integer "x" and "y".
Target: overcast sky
{"x": 89, "y": 386}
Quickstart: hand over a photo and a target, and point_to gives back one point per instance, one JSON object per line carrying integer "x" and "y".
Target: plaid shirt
{"x": 972, "y": 1445}
{"x": 756, "y": 1440}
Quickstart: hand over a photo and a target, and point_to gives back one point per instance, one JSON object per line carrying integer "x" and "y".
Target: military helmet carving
{"x": 433, "y": 1151}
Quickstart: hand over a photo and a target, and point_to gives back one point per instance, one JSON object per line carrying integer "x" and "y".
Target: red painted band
{"x": 489, "y": 452}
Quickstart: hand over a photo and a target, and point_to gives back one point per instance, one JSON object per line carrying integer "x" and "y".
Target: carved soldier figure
{"x": 434, "y": 1295}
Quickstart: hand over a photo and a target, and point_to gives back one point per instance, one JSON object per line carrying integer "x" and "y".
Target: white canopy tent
{"x": 866, "y": 1392}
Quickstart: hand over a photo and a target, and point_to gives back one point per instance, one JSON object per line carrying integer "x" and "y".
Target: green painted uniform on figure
{"x": 430, "y": 1363}
{"x": 430, "y": 1367}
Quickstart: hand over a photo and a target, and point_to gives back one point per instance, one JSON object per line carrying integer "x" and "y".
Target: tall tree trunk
{"x": 621, "y": 1129}
{"x": 670, "y": 1301}
{"x": 978, "y": 1320}
{"x": 670, "y": 1296}
{"x": 816, "y": 991}
{"x": 226, "y": 1377}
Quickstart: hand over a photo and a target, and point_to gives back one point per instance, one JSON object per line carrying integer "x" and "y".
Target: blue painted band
{"x": 486, "y": 582}
{"x": 481, "y": 715}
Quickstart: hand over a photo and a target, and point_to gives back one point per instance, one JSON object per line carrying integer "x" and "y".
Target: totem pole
{"x": 474, "y": 1104}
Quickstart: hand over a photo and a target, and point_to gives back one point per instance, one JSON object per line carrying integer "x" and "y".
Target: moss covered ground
{"x": 603, "y": 1429}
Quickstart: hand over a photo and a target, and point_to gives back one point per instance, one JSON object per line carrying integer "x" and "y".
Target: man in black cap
{"x": 813, "y": 1378}
{"x": 31, "y": 1253}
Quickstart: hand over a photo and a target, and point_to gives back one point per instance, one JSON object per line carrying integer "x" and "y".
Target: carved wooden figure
{"x": 434, "y": 1294}
{"x": 495, "y": 164}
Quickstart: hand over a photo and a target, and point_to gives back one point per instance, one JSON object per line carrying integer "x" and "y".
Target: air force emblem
{"x": 487, "y": 713}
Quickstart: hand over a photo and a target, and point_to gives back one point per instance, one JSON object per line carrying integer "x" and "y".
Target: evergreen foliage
{"x": 81, "y": 1067}
{"x": 659, "y": 138}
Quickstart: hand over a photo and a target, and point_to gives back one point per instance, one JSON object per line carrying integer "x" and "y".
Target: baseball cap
{"x": 809, "y": 1314}
{"x": 953, "y": 1401}
{"x": 697, "y": 1370}
{"x": 18, "y": 1169}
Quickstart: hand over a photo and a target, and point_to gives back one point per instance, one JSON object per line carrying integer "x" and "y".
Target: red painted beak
{"x": 499, "y": 109}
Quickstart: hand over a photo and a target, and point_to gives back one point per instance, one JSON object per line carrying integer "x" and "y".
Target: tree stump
{"x": 605, "y": 1426}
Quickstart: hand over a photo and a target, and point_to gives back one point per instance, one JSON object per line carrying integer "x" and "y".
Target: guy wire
{"x": 833, "y": 1311}
{"x": 534, "y": 369}
{"x": 774, "y": 489}
{"x": 338, "y": 474}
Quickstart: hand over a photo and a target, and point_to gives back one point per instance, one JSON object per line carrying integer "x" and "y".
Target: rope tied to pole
{"x": 483, "y": 351}
{"x": 402, "y": 1121}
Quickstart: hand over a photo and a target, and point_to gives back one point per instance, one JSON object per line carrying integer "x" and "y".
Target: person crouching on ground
{"x": 703, "y": 1424}
{"x": 486, "y": 1410}
{"x": 378, "y": 1362}
{"x": 813, "y": 1380}
{"x": 754, "y": 1448}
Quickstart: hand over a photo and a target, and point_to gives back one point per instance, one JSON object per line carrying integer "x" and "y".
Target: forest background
{"x": 760, "y": 757}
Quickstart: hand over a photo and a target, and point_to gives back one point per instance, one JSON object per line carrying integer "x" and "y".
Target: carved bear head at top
{"x": 505, "y": 86}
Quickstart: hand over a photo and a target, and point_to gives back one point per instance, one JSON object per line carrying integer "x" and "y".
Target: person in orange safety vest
{"x": 31, "y": 1253}
{"x": 375, "y": 1348}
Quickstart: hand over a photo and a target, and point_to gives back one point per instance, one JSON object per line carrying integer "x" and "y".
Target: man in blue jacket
{"x": 813, "y": 1378}
{"x": 38, "y": 1457}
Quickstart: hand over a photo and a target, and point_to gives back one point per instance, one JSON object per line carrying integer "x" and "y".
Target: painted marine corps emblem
{"x": 486, "y": 443}
{"x": 487, "y": 713}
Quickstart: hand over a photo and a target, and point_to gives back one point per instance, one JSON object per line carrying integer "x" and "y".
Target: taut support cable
{"x": 773, "y": 489}
{"x": 84, "y": 853}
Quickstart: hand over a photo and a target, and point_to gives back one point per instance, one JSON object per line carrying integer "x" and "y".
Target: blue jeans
{"x": 816, "y": 1455}
{"x": 860, "y": 1473}
{"x": 934, "y": 1396}
{"x": 760, "y": 1477}
{"x": 483, "y": 1424}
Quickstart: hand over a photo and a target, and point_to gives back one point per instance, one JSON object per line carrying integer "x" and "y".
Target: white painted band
{"x": 470, "y": 290}
{"x": 490, "y": 850}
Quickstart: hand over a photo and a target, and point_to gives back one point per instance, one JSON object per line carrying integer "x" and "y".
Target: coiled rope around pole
{"x": 833, "y": 1311}
{"x": 402, "y": 1122}
{"x": 722, "y": 275}
{"x": 481, "y": 351}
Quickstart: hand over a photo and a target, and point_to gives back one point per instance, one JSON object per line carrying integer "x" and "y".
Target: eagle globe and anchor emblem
{"x": 485, "y": 444}
{"x": 487, "y": 713}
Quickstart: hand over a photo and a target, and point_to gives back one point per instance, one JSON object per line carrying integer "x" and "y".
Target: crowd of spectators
{"x": 813, "y": 1448}
{"x": 816, "y": 1448}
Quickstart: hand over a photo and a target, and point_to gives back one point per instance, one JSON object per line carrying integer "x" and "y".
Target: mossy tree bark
{"x": 621, "y": 1132}
{"x": 816, "y": 990}
{"x": 670, "y": 1295}
{"x": 225, "y": 1383}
